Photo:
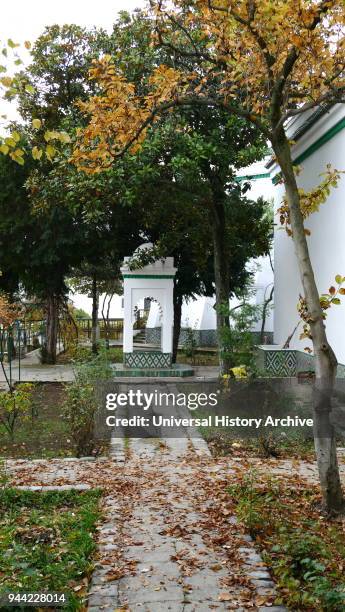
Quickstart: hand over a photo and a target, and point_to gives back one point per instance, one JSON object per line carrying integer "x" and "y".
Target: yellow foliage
{"x": 248, "y": 46}
{"x": 310, "y": 201}
{"x": 119, "y": 115}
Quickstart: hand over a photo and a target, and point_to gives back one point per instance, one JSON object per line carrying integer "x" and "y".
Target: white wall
{"x": 82, "y": 301}
{"x": 326, "y": 243}
{"x": 198, "y": 314}
{"x": 264, "y": 278}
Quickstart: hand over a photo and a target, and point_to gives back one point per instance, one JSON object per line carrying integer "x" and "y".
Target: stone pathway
{"x": 169, "y": 539}
{"x": 168, "y": 542}
{"x": 167, "y": 550}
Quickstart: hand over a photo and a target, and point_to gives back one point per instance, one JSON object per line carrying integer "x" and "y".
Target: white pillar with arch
{"x": 154, "y": 281}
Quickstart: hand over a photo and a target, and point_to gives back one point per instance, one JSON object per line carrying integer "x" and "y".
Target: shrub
{"x": 237, "y": 340}
{"x": 190, "y": 345}
{"x": 79, "y": 410}
{"x": 15, "y": 404}
{"x": 82, "y": 402}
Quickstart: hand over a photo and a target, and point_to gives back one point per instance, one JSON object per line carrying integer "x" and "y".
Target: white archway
{"x": 155, "y": 280}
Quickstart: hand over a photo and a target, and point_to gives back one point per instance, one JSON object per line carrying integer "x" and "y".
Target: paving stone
{"x": 267, "y": 583}
{"x": 157, "y": 556}
{"x": 272, "y": 609}
{"x": 260, "y": 575}
{"x": 169, "y": 606}
{"x": 247, "y": 538}
{"x": 105, "y": 547}
{"x": 206, "y": 595}
{"x": 144, "y": 595}
{"x": 201, "y": 606}
{"x": 99, "y": 602}
{"x": 252, "y": 558}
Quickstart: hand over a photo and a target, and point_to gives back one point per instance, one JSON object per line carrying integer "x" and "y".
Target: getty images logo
{"x": 145, "y": 401}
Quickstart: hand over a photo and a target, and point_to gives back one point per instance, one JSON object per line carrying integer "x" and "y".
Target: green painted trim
{"x": 148, "y": 275}
{"x": 335, "y": 129}
{"x": 252, "y": 177}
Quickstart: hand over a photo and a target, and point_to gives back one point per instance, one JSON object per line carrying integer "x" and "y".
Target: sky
{"x": 23, "y": 20}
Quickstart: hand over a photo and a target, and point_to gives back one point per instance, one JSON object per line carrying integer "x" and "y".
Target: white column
{"x": 127, "y": 318}
{"x": 168, "y": 318}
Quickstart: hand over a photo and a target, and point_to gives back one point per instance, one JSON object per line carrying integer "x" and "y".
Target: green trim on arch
{"x": 333, "y": 131}
{"x": 148, "y": 276}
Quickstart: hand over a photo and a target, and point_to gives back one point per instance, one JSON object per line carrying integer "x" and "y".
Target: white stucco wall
{"x": 83, "y": 301}
{"x": 326, "y": 243}
{"x": 260, "y": 187}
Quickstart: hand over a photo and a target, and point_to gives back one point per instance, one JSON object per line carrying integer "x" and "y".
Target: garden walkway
{"x": 169, "y": 540}
{"x": 32, "y": 370}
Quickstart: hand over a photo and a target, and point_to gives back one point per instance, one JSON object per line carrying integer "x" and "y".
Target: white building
{"x": 320, "y": 140}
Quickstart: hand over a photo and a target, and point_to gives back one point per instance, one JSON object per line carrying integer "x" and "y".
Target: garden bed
{"x": 46, "y": 542}
{"x": 305, "y": 552}
{"x": 226, "y": 444}
{"x": 44, "y": 432}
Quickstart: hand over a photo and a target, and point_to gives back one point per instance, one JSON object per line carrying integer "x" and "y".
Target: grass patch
{"x": 305, "y": 553}
{"x": 200, "y": 358}
{"x": 82, "y": 354}
{"x": 46, "y": 541}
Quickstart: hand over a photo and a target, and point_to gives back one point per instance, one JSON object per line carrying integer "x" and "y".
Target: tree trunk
{"x": 108, "y": 323}
{"x": 105, "y": 322}
{"x": 177, "y": 324}
{"x": 264, "y": 315}
{"x": 95, "y": 305}
{"x": 326, "y": 362}
{"x": 221, "y": 275}
{"x": 52, "y": 309}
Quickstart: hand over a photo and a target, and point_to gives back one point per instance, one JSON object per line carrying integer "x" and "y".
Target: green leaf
{"x": 36, "y": 124}
{"x": 30, "y": 89}
{"x": 11, "y": 44}
{"x": 336, "y": 301}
